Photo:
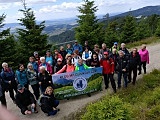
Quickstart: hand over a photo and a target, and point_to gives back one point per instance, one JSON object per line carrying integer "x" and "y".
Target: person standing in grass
{"x": 108, "y": 70}
{"x": 144, "y": 54}
{"x": 122, "y": 68}
{"x": 134, "y": 63}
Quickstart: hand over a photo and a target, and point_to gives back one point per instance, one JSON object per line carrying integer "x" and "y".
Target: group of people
{"x": 39, "y": 71}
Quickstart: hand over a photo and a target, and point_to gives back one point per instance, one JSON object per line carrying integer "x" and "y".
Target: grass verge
{"x": 139, "y": 102}
{"x": 146, "y": 41}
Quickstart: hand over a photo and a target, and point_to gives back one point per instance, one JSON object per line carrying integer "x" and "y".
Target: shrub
{"x": 152, "y": 80}
{"x": 110, "y": 108}
{"x": 154, "y": 98}
{"x": 153, "y": 113}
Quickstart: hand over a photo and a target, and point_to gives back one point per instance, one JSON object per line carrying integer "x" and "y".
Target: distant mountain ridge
{"x": 63, "y": 29}
{"x": 145, "y": 11}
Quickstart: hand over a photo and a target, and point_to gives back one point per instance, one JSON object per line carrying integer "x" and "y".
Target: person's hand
{"x": 33, "y": 105}
{"x": 40, "y": 83}
{"x": 9, "y": 82}
{"x": 124, "y": 70}
{"x": 49, "y": 81}
{"x": 112, "y": 72}
{"x": 54, "y": 108}
{"x": 27, "y": 112}
{"x": 6, "y": 115}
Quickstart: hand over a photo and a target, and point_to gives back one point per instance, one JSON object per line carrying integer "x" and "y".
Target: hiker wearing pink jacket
{"x": 144, "y": 54}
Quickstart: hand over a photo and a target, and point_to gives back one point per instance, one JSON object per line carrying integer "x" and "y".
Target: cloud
{"x": 28, "y": 1}
{"x": 64, "y": 7}
{"x": 4, "y": 6}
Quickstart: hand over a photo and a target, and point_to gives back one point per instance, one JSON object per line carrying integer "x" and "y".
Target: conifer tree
{"x": 7, "y": 44}
{"x": 30, "y": 37}
{"x": 157, "y": 32}
{"x": 89, "y": 29}
{"x": 142, "y": 29}
{"x": 129, "y": 29}
{"x": 111, "y": 34}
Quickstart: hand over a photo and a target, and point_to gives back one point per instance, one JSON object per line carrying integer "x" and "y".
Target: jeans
{"x": 124, "y": 77}
{"x": 53, "y": 112}
{"x": 56, "y": 103}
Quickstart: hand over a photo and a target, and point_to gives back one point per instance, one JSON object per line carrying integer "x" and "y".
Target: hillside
{"x": 145, "y": 11}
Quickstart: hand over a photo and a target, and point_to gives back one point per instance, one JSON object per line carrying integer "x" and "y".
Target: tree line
{"x": 17, "y": 48}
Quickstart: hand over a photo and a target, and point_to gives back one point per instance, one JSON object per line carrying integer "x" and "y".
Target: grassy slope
{"x": 133, "y": 94}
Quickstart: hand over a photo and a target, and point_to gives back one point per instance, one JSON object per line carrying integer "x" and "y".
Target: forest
{"x": 16, "y": 49}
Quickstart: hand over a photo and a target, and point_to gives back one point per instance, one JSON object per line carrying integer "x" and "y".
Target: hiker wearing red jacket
{"x": 108, "y": 70}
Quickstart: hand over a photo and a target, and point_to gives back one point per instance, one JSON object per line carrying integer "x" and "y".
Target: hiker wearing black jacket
{"x": 122, "y": 68}
{"x": 48, "y": 102}
{"x": 2, "y": 93}
{"x": 8, "y": 78}
{"x": 124, "y": 49}
{"x": 134, "y": 63}
{"x": 24, "y": 98}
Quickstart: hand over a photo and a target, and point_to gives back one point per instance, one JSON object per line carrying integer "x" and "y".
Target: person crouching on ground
{"x": 108, "y": 71}
{"x": 48, "y": 102}
{"x": 24, "y": 100}
{"x": 81, "y": 66}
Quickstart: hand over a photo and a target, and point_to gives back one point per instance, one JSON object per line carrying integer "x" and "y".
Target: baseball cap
{"x": 75, "y": 41}
{"x": 115, "y": 43}
{"x": 105, "y": 53}
{"x": 59, "y": 59}
{"x": 19, "y": 87}
{"x": 35, "y": 53}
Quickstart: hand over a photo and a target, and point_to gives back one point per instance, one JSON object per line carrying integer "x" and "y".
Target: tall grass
{"x": 149, "y": 40}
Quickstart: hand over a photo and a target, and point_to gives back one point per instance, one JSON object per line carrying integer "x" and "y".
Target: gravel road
{"x": 68, "y": 107}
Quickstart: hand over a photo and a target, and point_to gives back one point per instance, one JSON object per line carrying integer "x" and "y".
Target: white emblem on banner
{"x": 80, "y": 84}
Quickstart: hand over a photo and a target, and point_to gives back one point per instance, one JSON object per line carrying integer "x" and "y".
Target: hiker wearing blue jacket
{"x": 78, "y": 47}
{"x": 9, "y": 81}
{"x": 21, "y": 75}
{"x": 34, "y": 63}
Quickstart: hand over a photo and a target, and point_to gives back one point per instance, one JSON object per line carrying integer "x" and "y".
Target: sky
{"x": 60, "y": 9}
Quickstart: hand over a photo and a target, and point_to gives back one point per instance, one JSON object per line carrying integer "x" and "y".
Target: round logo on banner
{"x": 80, "y": 84}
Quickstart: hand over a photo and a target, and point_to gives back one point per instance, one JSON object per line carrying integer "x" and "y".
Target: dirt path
{"x": 69, "y": 106}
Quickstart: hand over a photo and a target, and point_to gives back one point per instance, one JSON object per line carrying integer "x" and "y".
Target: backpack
{"x": 39, "y": 99}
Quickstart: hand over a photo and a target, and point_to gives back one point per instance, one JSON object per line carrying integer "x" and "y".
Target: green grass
{"x": 146, "y": 41}
{"x": 143, "y": 99}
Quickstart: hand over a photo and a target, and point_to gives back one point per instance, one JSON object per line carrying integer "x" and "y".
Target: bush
{"x": 154, "y": 98}
{"x": 153, "y": 113}
{"x": 152, "y": 80}
{"x": 110, "y": 108}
